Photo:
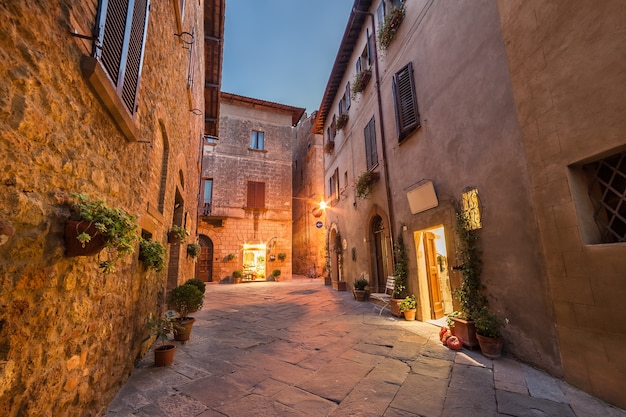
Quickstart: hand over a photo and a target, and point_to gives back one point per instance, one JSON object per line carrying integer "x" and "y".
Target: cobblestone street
{"x": 298, "y": 348}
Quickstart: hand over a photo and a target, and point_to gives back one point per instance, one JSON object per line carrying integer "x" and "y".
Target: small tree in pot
{"x": 185, "y": 299}
{"x": 162, "y": 328}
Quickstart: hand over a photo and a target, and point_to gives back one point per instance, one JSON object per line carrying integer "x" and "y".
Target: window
{"x": 333, "y": 186}
{"x": 371, "y": 154}
{"x": 256, "y": 195}
{"x": 114, "y": 69}
{"x": 380, "y": 14}
{"x": 606, "y": 179}
{"x": 407, "y": 114}
{"x": 207, "y": 194}
{"x": 258, "y": 140}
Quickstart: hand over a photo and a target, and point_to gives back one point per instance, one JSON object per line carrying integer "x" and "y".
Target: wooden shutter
{"x": 371, "y": 154}
{"x": 407, "y": 114}
{"x": 123, "y": 42}
{"x": 256, "y": 195}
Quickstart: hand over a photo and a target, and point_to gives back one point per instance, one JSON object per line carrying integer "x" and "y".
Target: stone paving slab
{"x": 298, "y": 348}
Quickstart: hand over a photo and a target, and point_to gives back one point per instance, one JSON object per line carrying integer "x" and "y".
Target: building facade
{"x": 245, "y": 208}
{"x": 435, "y": 107}
{"x": 309, "y": 251}
{"x": 98, "y": 104}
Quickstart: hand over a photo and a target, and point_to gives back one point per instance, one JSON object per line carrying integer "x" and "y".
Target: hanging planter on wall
{"x": 75, "y": 247}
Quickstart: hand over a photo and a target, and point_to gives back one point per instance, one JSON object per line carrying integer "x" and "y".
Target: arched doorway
{"x": 204, "y": 265}
{"x": 380, "y": 253}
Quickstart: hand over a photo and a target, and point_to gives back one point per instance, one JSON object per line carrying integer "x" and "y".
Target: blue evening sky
{"x": 282, "y": 50}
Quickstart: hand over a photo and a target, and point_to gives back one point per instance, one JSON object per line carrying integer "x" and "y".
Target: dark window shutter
{"x": 113, "y": 38}
{"x": 135, "y": 54}
{"x": 407, "y": 114}
{"x": 123, "y": 41}
{"x": 256, "y": 194}
{"x": 371, "y": 154}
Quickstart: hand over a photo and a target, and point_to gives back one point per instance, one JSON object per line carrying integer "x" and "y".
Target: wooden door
{"x": 432, "y": 268}
{"x": 204, "y": 264}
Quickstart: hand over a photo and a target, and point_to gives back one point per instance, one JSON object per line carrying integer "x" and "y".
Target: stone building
{"x": 86, "y": 109}
{"x": 308, "y": 234}
{"x": 245, "y": 207}
{"x": 510, "y": 110}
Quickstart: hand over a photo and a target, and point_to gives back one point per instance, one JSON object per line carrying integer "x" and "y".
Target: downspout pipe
{"x": 382, "y": 130}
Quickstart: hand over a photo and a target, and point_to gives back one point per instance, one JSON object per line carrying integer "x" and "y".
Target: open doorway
{"x": 254, "y": 265}
{"x": 435, "y": 295}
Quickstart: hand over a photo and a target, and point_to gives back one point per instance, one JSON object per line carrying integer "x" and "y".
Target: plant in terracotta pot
{"x": 400, "y": 272}
{"x": 364, "y": 183}
{"x": 275, "y": 274}
{"x": 342, "y": 120}
{"x": 193, "y": 250}
{"x": 152, "y": 254}
{"x": 408, "y": 306}
{"x": 177, "y": 234}
{"x": 237, "y": 276}
{"x": 489, "y": 332}
{"x": 105, "y": 227}
{"x": 185, "y": 299}
{"x": 389, "y": 27}
{"x": 468, "y": 293}
{"x": 360, "y": 285}
{"x": 282, "y": 256}
{"x": 360, "y": 82}
{"x": 163, "y": 328}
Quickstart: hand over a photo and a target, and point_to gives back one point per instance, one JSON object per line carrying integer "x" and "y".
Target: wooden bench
{"x": 384, "y": 297}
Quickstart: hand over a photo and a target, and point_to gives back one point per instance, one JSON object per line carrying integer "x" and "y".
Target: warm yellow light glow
{"x": 323, "y": 205}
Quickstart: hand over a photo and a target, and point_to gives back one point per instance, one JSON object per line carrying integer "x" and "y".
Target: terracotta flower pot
{"x": 164, "y": 355}
{"x": 465, "y": 330}
{"x": 394, "y": 307}
{"x": 490, "y": 347}
{"x": 339, "y": 285}
{"x": 74, "y": 247}
{"x": 182, "y": 335}
{"x": 409, "y": 315}
{"x": 360, "y": 295}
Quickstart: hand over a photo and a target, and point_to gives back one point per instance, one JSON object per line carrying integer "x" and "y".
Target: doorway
{"x": 380, "y": 253}
{"x": 254, "y": 265}
{"x": 204, "y": 264}
{"x": 435, "y": 294}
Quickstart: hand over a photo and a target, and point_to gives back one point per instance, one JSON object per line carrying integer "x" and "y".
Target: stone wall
{"x": 568, "y": 72}
{"x": 69, "y": 334}
{"x": 308, "y": 192}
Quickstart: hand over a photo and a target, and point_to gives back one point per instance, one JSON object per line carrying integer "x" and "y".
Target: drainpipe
{"x": 382, "y": 129}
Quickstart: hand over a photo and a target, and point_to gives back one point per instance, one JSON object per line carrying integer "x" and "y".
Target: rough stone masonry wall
{"x": 69, "y": 335}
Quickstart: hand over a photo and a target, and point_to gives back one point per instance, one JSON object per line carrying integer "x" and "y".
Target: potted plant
{"x": 162, "y": 328}
{"x": 400, "y": 272}
{"x": 230, "y": 257}
{"x": 282, "y": 256}
{"x": 360, "y": 82}
{"x": 237, "y": 276}
{"x": 468, "y": 293}
{"x": 364, "y": 183}
{"x": 152, "y": 254}
{"x": 177, "y": 234}
{"x": 489, "y": 333}
{"x": 329, "y": 147}
{"x": 408, "y": 306}
{"x": 275, "y": 274}
{"x": 198, "y": 283}
{"x": 390, "y": 26}
{"x": 342, "y": 120}
{"x": 193, "y": 250}
{"x": 100, "y": 226}
{"x": 184, "y": 299}
{"x": 359, "y": 291}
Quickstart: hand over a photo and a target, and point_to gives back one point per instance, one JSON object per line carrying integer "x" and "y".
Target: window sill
{"x": 257, "y": 150}
{"x": 103, "y": 87}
